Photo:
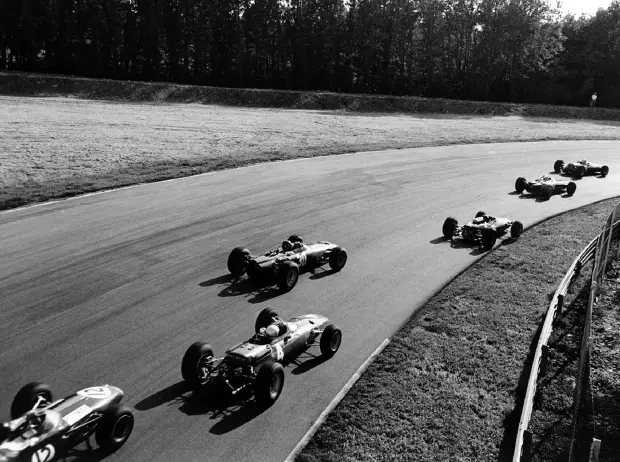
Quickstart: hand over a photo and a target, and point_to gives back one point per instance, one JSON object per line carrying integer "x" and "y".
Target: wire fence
{"x": 583, "y": 444}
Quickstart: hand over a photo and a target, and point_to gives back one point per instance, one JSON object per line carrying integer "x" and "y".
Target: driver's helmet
{"x": 287, "y": 245}
{"x": 35, "y": 422}
{"x": 272, "y": 330}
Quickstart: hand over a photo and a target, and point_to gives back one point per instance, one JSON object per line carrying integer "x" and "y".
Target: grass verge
{"x": 450, "y": 384}
{"x": 61, "y": 147}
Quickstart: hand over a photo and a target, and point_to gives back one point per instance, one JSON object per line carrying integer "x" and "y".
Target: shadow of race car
{"x": 285, "y": 263}
{"x": 482, "y": 230}
{"x": 256, "y": 364}
{"x": 44, "y": 430}
{"x": 580, "y": 168}
{"x": 545, "y": 186}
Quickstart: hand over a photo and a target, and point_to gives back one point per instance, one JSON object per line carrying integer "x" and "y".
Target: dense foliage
{"x": 500, "y": 50}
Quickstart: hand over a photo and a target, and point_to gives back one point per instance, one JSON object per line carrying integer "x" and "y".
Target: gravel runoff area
{"x": 58, "y": 147}
{"x": 450, "y": 384}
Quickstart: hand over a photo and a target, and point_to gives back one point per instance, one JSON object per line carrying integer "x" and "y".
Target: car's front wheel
{"x": 516, "y": 230}
{"x": 114, "y": 428}
{"x": 520, "y": 185}
{"x": 337, "y": 259}
{"x": 604, "y": 170}
{"x": 449, "y": 227}
{"x": 488, "y": 240}
{"x": 330, "y": 341}
{"x": 558, "y": 166}
{"x": 571, "y": 188}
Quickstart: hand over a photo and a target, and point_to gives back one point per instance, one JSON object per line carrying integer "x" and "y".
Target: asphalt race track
{"x": 113, "y": 288}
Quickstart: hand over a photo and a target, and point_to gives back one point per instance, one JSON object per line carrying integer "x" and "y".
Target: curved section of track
{"x": 112, "y": 288}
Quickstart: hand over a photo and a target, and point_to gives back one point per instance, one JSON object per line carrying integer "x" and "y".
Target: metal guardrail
{"x": 524, "y": 438}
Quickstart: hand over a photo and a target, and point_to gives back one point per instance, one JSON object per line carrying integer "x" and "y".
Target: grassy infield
{"x": 450, "y": 384}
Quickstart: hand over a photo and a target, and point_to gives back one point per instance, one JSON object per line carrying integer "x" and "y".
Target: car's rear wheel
{"x": 516, "y": 229}
{"x": 288, "y": 275}
{"x": 28, "y": 396}
{"x": 571, "y": 188}
{"x": 449, "y": 227}
{"x": 114, "y": 428}
{"x": 488, "y": 240}
{"x": 238, "y": 261}
{"x": 264, "y": 318}
{"x": 337, "y": 259}
{"x": 330, "y": 341}
{"x": 604, "y": 170}
{"x": 192, "y": 362}
{"x": 520, "y": 185}
{"x": 268, "y": 383}
{"x": 558, "y": 166}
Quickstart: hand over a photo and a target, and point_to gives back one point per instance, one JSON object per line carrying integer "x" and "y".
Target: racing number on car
{"x": 302, "y": 258}
{"x": 277, "y": 352}
{"x": 44, "y": 454}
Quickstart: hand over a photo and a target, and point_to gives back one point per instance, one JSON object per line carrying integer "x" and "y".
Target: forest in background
{"x": 520, "y": 51}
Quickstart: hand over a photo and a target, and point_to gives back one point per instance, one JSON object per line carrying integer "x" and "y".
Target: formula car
{"x": 44, "y": 430}
{"x": 580, "y": 168}
{"x": 545, "y": 186}
{"x": 482, "y": 230}
{"x": 285, "y": 263}
{"x": 256, "y": 364}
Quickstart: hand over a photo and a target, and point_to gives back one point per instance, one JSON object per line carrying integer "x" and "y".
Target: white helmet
{"x": 272, "y": 330}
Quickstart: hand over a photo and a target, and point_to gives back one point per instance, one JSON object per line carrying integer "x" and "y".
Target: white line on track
{"x": 318, "y": 422}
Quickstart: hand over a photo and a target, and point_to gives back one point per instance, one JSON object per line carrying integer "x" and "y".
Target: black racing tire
{"x": 295, "y": 238}
{"x": 571, "y": 188}
{"x": 330, "y": 340}
{"x": 488, "y": 240}
{"x": 268, "y": 383}
{"x": 520, "y": 185}
{"x": 238, "y": 261}
{"x": 604, "y": 170}
{"x": 27, "y": 397}
{"x": 580, "y": 171}
{"x": 288, "y": 275}
{"x": 516, "y": 229}
{"x": 480, "y": 213}
{"x": 338, "y": 258}
{"x": 264, "y": 318}
{"x": 192, "y": 359}
{"x": 449, "y": 227}
{"x": 114, "y": 428}
{"x": 558, "y": 166}
{"x": 546, "y": 192}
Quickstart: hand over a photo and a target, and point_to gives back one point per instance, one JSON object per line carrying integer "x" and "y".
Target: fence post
{"x": 595, "y": 449}
{"x": 544, "y": 360}
{"x": 526, "y": 449}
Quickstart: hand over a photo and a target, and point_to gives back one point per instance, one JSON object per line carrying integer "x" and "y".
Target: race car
{"x": 482, "y": 230}
{"x": 545, "y": 186}
{"x": 285, "y": 263}
{"x": 256, "y": 364}
{"x": 580, "y": 168}
{"x": 44, "y": 430}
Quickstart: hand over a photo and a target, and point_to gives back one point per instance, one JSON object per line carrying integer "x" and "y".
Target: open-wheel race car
{"x": 256, "y": 364}
{"x": 580, "y": 168}
{"x": 44, "y": 430}
{"x": 287, "y": 261}
{"x": 545, "y": 186}
{"x": 483, "y": 230}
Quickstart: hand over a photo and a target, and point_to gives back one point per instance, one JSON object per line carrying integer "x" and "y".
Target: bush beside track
{"x": 450, "y": 385}
{"x": 24, "y": 84}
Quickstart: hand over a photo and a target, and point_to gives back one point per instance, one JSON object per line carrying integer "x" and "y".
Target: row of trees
{"x": 502, "y": 50}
